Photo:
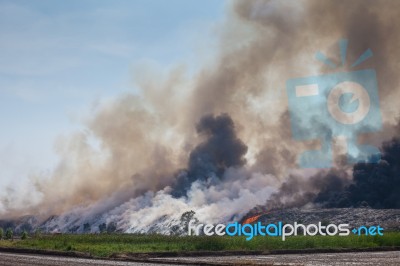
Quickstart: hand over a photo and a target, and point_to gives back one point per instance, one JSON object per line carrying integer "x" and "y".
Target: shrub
{"x": 9, "y": 233}
{"x": 24, "y": 235}
{"x": 102, "y": 228}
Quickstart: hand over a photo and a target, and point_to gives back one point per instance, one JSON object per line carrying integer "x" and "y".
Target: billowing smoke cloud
{"x": 215, "y": 184}
{"x": 210, "y": 159}
{"x": 231, "y": 162}
{"x": 298, "y": 191}
{"x": 370, "y": 185}
{"x": 374, "y": 185}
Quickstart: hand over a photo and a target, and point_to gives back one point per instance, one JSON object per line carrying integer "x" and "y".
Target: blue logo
{"x": 342, "y": 104}
{"x": 368, "y": 231}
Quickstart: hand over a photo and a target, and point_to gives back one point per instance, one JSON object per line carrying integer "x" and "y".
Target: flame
{"x": 251, "y": 219}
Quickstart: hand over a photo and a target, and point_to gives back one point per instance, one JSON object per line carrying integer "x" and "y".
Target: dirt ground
{"x": 351, "y": 258}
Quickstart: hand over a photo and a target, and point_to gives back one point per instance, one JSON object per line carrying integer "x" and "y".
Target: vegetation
{"x": 9, "y": 233}
{"x": 106, "y": 244}
{"x": 1, "y": 233}
{"x": 24, "y": 235}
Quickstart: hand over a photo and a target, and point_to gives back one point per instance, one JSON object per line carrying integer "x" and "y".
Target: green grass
{"x": 104, "y": 245}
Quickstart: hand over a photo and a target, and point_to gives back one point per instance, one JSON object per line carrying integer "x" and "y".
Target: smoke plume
{"x": 212, "y": 158}
{"x": 374, "y": 185}
{"x": 219, "y": 142}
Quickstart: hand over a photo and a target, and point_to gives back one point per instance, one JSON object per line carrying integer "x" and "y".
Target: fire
{"x": 251, "y": 219}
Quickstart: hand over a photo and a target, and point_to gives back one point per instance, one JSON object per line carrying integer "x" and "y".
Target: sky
{"x": 58, "y": 58}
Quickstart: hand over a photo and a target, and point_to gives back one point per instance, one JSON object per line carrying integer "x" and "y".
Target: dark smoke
{"x": 221, "y": 149}
{"x": 371, "y": 185}
{"x": 298, "y": 191}
{"x": 374, "y": 185}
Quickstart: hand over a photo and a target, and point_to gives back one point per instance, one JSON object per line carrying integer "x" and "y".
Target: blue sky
{"x": 58, "y": 57}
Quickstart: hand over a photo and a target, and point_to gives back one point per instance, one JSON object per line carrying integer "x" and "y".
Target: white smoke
{"x": 158, "y": 211}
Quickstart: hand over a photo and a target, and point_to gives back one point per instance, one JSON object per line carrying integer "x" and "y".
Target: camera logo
{"x": 335, "y": 105}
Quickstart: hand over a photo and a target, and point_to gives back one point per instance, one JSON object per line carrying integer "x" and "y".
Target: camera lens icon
{"x": 348, "y": 102}
{"x": 336, "y": 105}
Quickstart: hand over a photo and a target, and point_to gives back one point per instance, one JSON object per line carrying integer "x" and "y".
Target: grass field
{"x": 104, "y": 245}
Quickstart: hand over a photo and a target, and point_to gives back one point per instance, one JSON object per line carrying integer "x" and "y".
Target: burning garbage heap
{"x": 218, "y": 142}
